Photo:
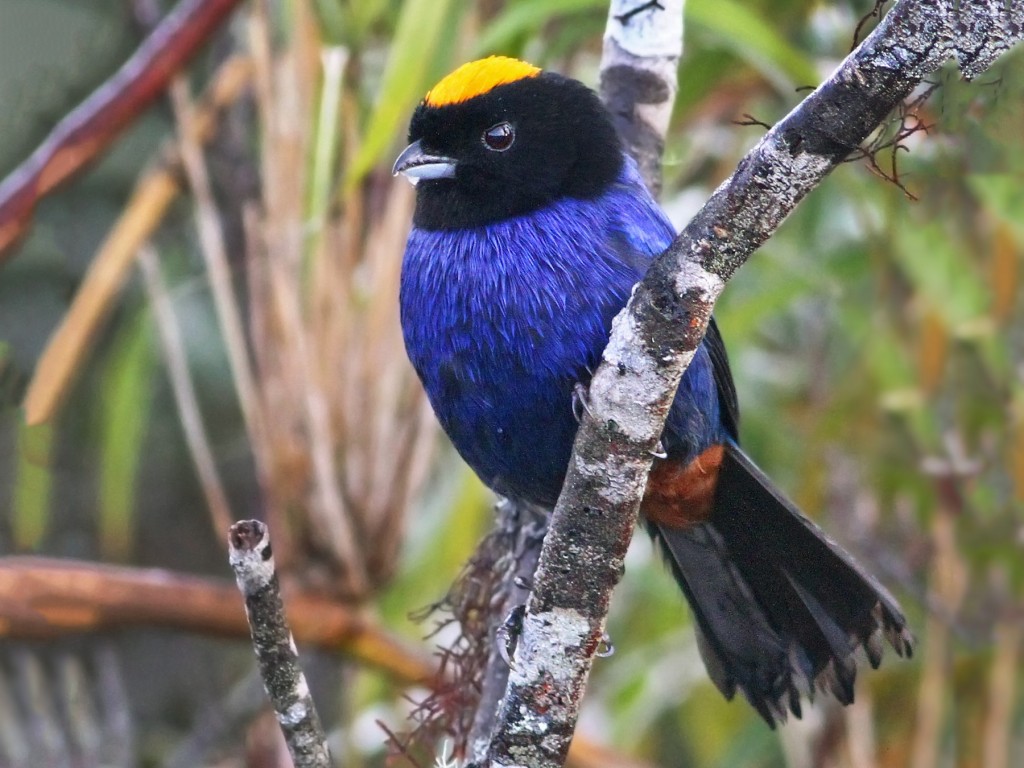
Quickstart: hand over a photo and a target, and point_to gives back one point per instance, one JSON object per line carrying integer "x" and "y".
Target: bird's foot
{"x": 605, "y": 648}
{"x": 580, "y": 401}
{"x": 508, "y": 633}
{"x": 659, "y": 451}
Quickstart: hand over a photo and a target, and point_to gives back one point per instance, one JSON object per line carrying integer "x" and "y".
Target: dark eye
{"x": 499, "y": 137}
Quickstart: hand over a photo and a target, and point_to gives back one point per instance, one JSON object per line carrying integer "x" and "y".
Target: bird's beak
{"x": 416, "y": 163}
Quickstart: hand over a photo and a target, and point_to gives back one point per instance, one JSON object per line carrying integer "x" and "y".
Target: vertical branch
{"x": 642, "y": 45}
{"x": 524, "y": 552}
{"x": 948, "y": 586}
{"x": 1002, "y": 690}
{"x": 253, "y": 563}
{"x": 215, "y": 255}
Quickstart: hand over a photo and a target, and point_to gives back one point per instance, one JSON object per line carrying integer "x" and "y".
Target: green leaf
{"x": 754, "y": 40}
{"x": 32, "y": 485}
{"x": 413, "y": 49}
{"x": 125, "y": 413}
{"x": 526, "y": 18}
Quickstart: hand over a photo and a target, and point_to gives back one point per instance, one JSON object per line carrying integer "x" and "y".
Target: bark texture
{"x": 654, "y": 339}
{"x": 642, "y": 45}
{"x": 253, "y": 563}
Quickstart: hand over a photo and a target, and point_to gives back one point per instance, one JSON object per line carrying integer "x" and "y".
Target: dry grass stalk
{"x": 948, "y": 587}
{"x": 176, "y": 360}
{"x": 997, "y": 736}
{"x": 347, "y": 432}
{"x": 156, "y": 190}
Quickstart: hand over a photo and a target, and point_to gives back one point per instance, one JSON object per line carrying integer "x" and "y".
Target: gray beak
{"x": 415, "y": 163}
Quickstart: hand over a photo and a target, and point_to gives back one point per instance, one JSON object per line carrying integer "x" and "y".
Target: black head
{"x": 506, "y": 149}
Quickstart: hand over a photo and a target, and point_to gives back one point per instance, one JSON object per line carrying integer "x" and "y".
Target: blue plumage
{"x": 531, "y": 228}
{"x": 501, "y": 322}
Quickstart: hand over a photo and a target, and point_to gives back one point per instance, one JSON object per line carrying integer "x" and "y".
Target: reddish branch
{"x": 89, "y": 129}
{"x": 43, "y": 597}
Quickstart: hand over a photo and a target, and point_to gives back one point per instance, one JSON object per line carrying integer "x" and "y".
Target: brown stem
{"x": 45, "y": 598}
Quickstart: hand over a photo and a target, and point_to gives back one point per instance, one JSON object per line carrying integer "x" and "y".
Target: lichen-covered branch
{"x": 655, "y": 337}
{"x": 253, "y": 563}
{"x": 524, "y": 531}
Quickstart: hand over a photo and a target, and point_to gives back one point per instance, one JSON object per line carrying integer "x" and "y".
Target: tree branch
{"x": 654, "y": 339}
{"x": 48, "y": 598}
{"x": 43, "y": 597}
{"x": 93, "y": 126}
{"x": 642, "y": 46}
{"x": 252, "y": 560}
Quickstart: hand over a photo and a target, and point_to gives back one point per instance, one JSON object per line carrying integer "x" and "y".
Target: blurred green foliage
{"x": 877, "y": 343}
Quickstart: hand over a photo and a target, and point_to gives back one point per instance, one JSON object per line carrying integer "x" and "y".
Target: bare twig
{"x": 88, "y": 130}
{"x": 524, "y": 539}
{"x": 253, "y": 563}
{"x": 215, "y": 256}
{"x": 651, "y": 345}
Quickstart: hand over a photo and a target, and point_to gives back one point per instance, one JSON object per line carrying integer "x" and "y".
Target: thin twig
{"x": 253, "y": 563}
{"x": 215, "y": 256}
{"x": 521, "y": 563}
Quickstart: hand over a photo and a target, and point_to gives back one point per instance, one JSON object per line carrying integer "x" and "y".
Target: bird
{"x": 530, "y": 228}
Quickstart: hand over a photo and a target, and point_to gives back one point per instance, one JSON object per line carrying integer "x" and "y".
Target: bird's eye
{"x": 499, "y": 137}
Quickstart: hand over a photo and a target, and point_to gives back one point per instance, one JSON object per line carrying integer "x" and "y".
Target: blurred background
{"x": 247, "y": 362}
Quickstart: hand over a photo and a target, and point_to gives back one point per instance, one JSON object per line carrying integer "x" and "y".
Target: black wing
{"x": 730, "y": 407}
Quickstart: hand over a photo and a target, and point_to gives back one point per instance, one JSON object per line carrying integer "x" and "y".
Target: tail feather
{"x": 780, "y": 608}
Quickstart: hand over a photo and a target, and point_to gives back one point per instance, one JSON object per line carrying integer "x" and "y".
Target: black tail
{"x": 780, "y": 608}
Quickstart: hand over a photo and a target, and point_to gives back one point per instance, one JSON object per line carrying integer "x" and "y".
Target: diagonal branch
{"x": 94, "y": 125}
{"x": 656, "y": 336}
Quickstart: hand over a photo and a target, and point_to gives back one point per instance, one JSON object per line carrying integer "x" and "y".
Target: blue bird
{"x": 530, "y": 229}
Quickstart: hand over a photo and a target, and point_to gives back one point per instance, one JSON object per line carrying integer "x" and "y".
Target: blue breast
{"x": 500, "y": 323}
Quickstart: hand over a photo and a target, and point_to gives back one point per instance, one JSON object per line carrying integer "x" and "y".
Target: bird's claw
{"x": 659, "y": 451}
{"x": 508, "y": 633}
{"x": 605, "y": 648}
{"x": 580, "y": 401}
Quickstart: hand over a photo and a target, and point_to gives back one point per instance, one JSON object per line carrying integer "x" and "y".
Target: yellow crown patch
{"x": 478, "y": 77}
